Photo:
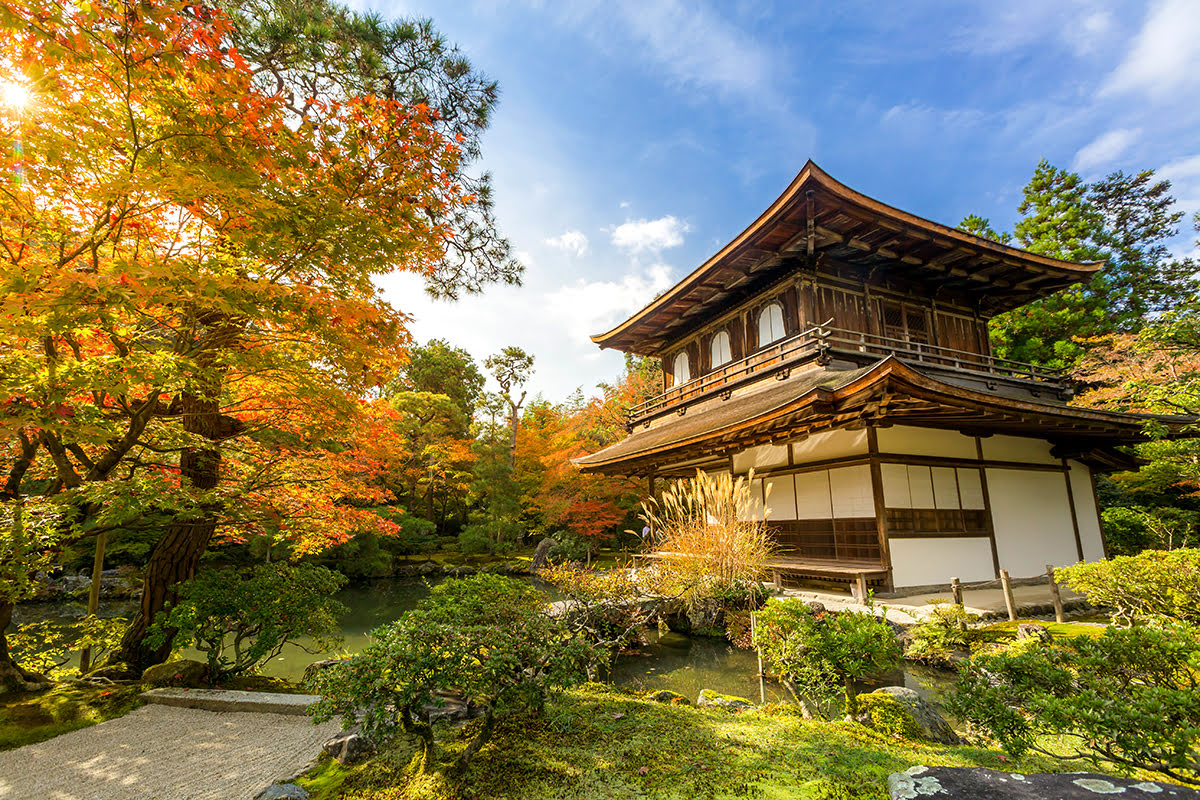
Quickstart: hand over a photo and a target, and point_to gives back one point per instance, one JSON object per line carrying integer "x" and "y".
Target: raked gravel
{"x": 164, "y": 753}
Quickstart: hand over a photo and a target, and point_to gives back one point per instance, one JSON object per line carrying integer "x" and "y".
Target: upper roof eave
{"x": 811, "y": 176}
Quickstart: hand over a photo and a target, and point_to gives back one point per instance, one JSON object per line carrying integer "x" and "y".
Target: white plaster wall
{"x": 970, "y": 488}
{"x": 1032, "y": 519}
{"x": 830, "y": 444}
{"x": 852, "y": 493}
{"x": 1018, "y": 448}
{"x": 923, "y": 562}
{"x": 908, "y": 440}
{"x": 781, "y": 497}
{"x": 1086, "y": 512}
{"x": 762, "y": 457}
{"x": 812, "y": 495}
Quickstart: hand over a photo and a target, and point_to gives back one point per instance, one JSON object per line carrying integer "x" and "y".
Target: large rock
{"x": 931, "y": 724}
{"x": 975, "y": 783}
{"x": 669, "y": 697}
{"x": 541, "y": 553}
{"x": 349, "y": 747}
{"x": 283, "y": 791}
{"x": 1029, "y": 630}
{"x": 710, "y": 698}
{"x": 184, "y": 672}
{"x": 316, "y": 668}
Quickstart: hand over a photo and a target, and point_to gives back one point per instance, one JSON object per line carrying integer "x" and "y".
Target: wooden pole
{"x": 85, "y": 655}
{"x": 956, "y": 589}
{"x": 762, "y": 683}
{"x": 1008, "y": 595}
{"x": 1055, "y": 596}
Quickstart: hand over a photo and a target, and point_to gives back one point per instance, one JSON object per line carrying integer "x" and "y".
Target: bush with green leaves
{"x": 568, "y": 547}
{"x": 47, "y": 646}
{"x": 1130, "y": 697}
{"x": 487, "y": 636}
{"x": 938, "y": 637}
{"x": 240, "y": 622}
{"x": 820, "y": 655}
{"x": 1152, "y": 584}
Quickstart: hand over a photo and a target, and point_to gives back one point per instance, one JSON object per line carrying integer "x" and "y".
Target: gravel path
{"x": 163, "y": 752}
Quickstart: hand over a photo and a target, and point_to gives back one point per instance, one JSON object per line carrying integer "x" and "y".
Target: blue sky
{"x": 635, "y": 137}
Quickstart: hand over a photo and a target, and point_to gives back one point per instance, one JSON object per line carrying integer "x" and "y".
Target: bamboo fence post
{"x": 956, "y": 589}
{"x": 1055, "y": 595}
{"x": 1008, "y": 595}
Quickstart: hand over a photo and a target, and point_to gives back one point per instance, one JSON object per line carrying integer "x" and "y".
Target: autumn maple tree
{"x": 189, "y": 317}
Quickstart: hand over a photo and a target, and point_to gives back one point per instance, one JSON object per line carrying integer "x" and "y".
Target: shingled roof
{"x": 817, "y": 215}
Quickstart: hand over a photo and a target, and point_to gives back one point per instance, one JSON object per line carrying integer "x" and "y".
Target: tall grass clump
{"x": 711, "y": 536}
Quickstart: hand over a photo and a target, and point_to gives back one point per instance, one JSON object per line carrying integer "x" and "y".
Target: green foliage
{"x": 1152, "y": 584}
{"x": 569, "y": 547}
{"x": 1123, "y": 220}
{"x": 241, "y": 622}
{"x": 437, "y": 367}
{"x": 597, "y": 742}
{"x": 604, "y": 606}
{"x": 944, "y": 632}
{"x": 1130, "y": 697}
{"x": 485, "y": 636}
{"x": 47, "y": 646}
{"x": 475, "y": 540}
{"x": 819, "y": 655}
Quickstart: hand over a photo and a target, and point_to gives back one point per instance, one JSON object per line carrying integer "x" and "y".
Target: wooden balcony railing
{"x": 851, "y": 345}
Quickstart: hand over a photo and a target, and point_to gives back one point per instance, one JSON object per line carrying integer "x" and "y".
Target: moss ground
{"x": 1002, "y": 631}
{"x": 598, "y": 742}
{"x": 37, "y": 716}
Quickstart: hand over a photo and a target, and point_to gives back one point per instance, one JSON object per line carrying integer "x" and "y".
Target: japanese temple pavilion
{"x": 839, "y": 348}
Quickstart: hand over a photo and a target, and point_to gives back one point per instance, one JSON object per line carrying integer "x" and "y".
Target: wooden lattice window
{"x": 905, "y": 323}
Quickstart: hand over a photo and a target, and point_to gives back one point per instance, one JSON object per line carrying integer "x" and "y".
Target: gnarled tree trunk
{"x": 177, "y": 554}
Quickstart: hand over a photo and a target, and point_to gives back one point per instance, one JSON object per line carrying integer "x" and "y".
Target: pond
{"x": 666, "y": 661}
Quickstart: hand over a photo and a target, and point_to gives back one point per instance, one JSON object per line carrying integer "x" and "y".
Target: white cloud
{"x": 1164, "y": 57}
{"x": 1184, "y": 175}
{"x": 573, "y": 242}
{"x": 1105, "y": 149}
{"x": 638, "y": 236}
{"x": 589, "y": 307}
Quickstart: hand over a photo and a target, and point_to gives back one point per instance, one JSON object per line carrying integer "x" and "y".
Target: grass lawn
{"x": 598, "y": 742}
{"x": 37, "y": 716}
{"x": 1006, "y": 631}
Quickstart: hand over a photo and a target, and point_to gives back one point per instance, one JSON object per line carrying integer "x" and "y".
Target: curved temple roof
{"x": 817, "y": 215}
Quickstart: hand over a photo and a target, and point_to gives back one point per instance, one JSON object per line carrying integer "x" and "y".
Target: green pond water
{"x": 668, "y": 661}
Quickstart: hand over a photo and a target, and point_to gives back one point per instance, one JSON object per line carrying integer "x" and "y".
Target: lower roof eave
{"x": 886, "y": 393}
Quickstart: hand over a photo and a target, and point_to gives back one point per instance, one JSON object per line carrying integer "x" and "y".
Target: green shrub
{"x": 474, "y": 540}
{"x": 47, "y": 646}
{"x": 568, "y": 547}
{"x": 820, "y": 655}
{"x": 417, "y": 536}
{"x": 1154, "y": 583}
{"x": 485, "y": 636}
{"x": 944, "y": 632}
{"x": 241, "y": 622}
{"x": 1130, "y": 697}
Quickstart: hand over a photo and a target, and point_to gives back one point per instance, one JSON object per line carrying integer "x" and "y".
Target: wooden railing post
{"x": 956, "y": 590}
{"x": 1055, "y": 596}
{"x": 1006, "y": 583}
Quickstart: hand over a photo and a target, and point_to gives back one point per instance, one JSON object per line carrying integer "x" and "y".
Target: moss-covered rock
{"x": 929, "y": 723}
{"x": 183, "y": 672}
{"x": 732, "y": 702}
{"x": 889, "y": 716}
{"x": 667, "y": 696}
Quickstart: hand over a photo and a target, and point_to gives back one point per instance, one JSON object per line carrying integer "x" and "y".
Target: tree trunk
{"x": 177, "y": 554}
{"x": 12, "y": 677}
{"x": 480, "y": 739}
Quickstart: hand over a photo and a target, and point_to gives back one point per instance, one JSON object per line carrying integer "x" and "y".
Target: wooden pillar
{"x": 85, "y": 656}
{"x": 1071, "y": 503}
{"x": 956, "y": 590}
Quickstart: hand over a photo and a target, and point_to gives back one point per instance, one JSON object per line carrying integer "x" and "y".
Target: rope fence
{"x": 1006, "y": 583}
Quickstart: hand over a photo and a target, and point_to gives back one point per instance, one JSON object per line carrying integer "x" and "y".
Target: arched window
{"x": 770, "y": 324}
{"x": 718, "y": 349}
{"x": 682, "y": 370}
